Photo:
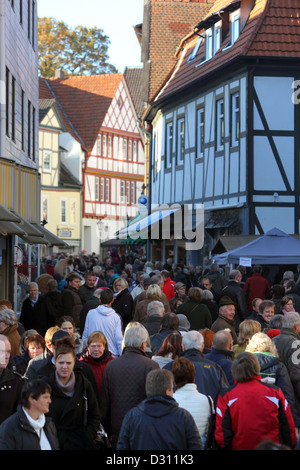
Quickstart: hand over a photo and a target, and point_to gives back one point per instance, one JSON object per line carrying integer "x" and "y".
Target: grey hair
{"x": 155, "y": 308}
{"x": 234, "y": 273}
{"x": 290, "y": 320}
{"x": 33, "y": 284}
{"x": 207, "y": 295}
{"x": 136, "y": 336}
{"x": 193, "y": 339}
{"x": 97, "y": 292}
{"x": 8, "y": 317}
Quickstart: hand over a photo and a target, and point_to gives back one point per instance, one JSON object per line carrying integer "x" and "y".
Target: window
{"x": 33, "y": 133}
{"x": 134, "y": 150}
{"x": 29, "y": 129}
{"x": 109, "y": 146}
{"x": 125, "y": 154}
{"x": 220, "y": 124}
{"x": 73, "y": 207}
{"x": 209, "y": 44}
{"x": 99, "y": 145}
{"x": 47, "y": 161}
{"x": 45, "y": 208}
{"x": 13, "y": 108}
{"x": 63, "y": 211}
{"x": 217, "y": 36}
{"x": 200, "y": 132}
{"x": 104, "y": 145}
{"x": 130, "y": 150}
{"x": 23, "y": 120}
{"x": 128, "y": 192}
{"x": 235, "y": 26}
{"x": 7, "y": 100}
{"x": 32, "y": 24}
{"x": 235, "y": 119}
{"x": 196, "y": 49}
{"x": 102, "y": 190}
{"x": 29, "y": 20}
{"x": 180, "y": 140}
{"x": 169, "y": 144}
{"x": 107, "y": 190}
{"x": 122, "y": 189}
{"x": 133, "y": 201}
{"x": 97, "y": 189}
{"x": 21, "y": 11}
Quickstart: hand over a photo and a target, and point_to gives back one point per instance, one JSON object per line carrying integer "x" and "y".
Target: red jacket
{"x": 168, "y": 288}
{"x": 98, "y": 368}
{"x": 256, "y": 286}
{"x": 250, "y": 412}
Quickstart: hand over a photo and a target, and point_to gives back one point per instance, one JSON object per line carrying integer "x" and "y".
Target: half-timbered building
{"x": 225, "y": 123}
{"x": 103, "y": 148}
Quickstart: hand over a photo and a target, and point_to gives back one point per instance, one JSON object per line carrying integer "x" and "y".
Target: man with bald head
{"x": 222, "y": 353}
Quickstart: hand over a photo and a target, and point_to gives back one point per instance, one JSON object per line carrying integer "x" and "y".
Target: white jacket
{"x": 197, "y": 404}
{"x": 105, "y": 319}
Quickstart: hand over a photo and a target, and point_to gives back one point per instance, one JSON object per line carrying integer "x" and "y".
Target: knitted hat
{"x": 273, "y": 332}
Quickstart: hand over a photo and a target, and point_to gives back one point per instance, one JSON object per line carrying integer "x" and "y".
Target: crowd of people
{"x": 134, "y": 355}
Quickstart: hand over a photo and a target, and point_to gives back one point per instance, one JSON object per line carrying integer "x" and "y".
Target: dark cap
{"x": 59, "y": 335}
{"x": 178, "y": 285}
{"x": 225, "y": 300}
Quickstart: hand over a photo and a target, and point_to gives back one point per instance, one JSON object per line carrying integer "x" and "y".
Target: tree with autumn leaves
{"x": 78, "y": 51}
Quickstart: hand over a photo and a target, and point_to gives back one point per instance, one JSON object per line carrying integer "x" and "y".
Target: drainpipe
{"x": 149, "y": 136}
{"x": 2, "y": 80}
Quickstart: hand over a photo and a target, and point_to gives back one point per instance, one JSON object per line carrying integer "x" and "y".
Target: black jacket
{"x": 123, "y": 305}
{"x": 68, "y": 414}
{"x": 17, "y": 434}
{"x": 11, "y": 384}
{"x": 236, "y": 293}
{"x": 158, "y": 423}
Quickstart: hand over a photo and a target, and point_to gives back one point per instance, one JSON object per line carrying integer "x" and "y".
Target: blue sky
{"x": 115, "y": 17}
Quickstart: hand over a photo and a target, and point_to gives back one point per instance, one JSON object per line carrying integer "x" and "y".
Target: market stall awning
{"x": 52, "y": 239}
{"x": 7, "y": 215}
{"x": 31, "y": 234}
{"x": 11, "y": 228}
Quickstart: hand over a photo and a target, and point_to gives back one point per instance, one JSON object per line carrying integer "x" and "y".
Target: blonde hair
{"x": 246, "y": 330}
{"x": 122, "y": 281}
{"x": 154, "y": 291}
{"x": 260, "y": 342}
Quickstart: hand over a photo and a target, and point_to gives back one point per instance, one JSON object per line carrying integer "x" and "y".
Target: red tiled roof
{"x": 84, "y": 101}
{"x": 170, "y": 21}
{"x": 272, "y": 30}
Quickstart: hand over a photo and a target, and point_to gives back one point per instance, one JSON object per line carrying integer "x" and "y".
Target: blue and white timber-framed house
{"x": 225, "y": 125}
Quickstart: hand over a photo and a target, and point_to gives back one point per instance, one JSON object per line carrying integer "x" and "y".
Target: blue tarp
{"x": 274, "y": 247}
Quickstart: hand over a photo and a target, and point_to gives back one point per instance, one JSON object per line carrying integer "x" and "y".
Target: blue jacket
{"x": 158, "y": 423}
{"x": 210, "y": 377}
{"x": 224, "y": 358}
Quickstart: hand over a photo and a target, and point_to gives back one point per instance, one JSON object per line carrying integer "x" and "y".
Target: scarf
{"x": 38, "y": 426}
{"x": 68, "y": 388}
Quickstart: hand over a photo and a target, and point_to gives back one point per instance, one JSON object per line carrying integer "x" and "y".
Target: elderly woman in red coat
{"x": 97, "y": 355}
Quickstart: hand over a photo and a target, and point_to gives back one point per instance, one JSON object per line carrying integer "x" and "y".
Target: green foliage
{"x": 78, "y": 51}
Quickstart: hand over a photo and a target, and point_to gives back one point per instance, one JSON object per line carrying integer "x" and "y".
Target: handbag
{"x": 209, "y": 444}
{"x": 101, "y": 440}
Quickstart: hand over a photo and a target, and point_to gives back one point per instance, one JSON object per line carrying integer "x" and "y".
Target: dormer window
{"x": 209, "y": 44}
{"x": 234, "y": 20}
{"x": 217, "y": 36}
{"x": 235, "y": 26}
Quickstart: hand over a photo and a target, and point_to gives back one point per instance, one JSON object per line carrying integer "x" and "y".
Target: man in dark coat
{"x": 210, "y": 377}
{"x": 70, "y": 298}
{"x": 158, "y": 422}
{"x": 123, "y": 385}
{"x": 155, "y": 312}
{"x": 28, "y": 428}
{"x": 236, "y": 293}
{"x": 33, "y": 311}
{"x": 222, "y": 352}
{"x": 88, "y": 288}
